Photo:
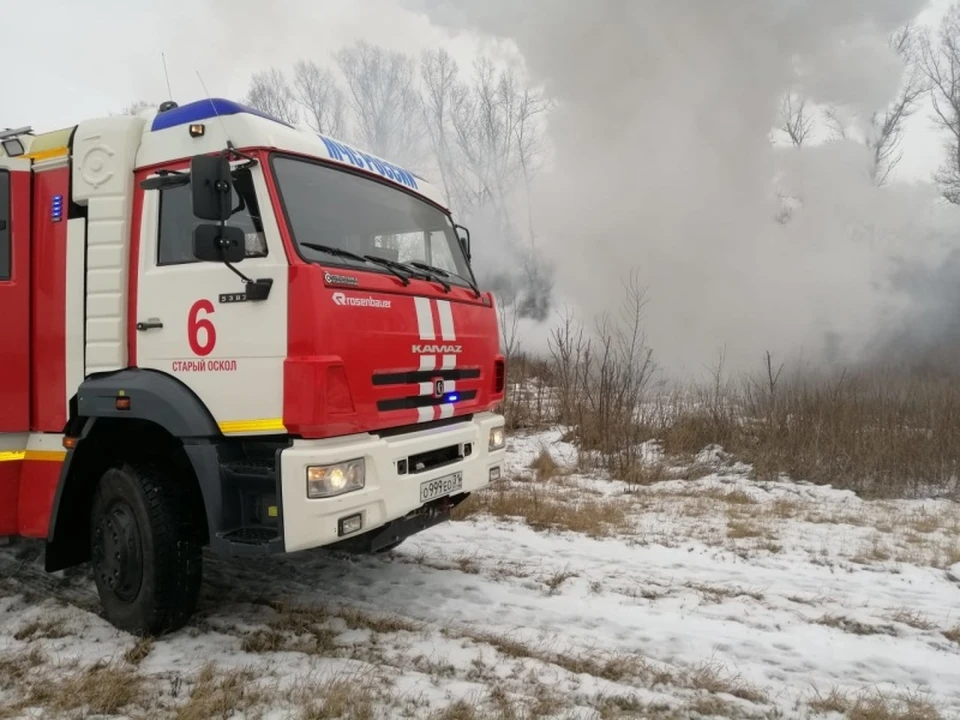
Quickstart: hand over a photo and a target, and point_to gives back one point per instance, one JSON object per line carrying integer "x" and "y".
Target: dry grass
{"x": 307, "y": 629}
{"x": 744, "y": 529}
{"x": 544, "y": 466}
{"x": 712, "y": 678}
{"x": 102, "y": 689}
{"x": 139, "y": 652}
{"x": 16, "y": 668}
{"x": 953, "y": 634}
{"x": 715, "y": 594}
{"x": 881, "y": 431}
{"x": 872, "y": 705}
{"x": 545, "y": 510}
{"x": 53, "y": 628}
{"x": 855, "y": 627}
{"x": 351, "y": 698}
{"x": 912, "y": 618}
{"x": 220, "y": 695}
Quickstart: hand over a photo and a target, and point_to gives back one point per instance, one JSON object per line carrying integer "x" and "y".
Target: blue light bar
{"x": 453, "y": 397}
{"x": 201, "y": 110}
{"x": 56, "y": 208}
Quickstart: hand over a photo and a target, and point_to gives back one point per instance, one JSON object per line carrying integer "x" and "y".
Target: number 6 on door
{"x": 195, "y": 324}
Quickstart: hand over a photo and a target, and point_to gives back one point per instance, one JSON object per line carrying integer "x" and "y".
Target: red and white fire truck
{"x": 223, "y": 331}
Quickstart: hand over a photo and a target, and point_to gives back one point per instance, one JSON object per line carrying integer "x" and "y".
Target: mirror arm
{"x": 257, "y": 290}
{"x": 251, "y": 161}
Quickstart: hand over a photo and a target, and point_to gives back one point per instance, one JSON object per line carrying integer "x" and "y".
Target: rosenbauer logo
{"x": 341, "y": 299}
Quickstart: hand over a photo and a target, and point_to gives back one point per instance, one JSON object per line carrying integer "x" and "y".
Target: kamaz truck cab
{"x": 221, "y": 330}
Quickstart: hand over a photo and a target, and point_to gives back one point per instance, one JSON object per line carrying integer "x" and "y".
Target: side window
{"x": 4, "y": 225}
{"x": 177, "y": 221}
{"x": 441, "y": 255}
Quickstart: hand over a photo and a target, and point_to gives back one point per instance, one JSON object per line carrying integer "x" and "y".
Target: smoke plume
{"x": 663, "y": 162}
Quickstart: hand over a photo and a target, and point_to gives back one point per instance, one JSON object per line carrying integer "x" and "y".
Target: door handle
{"x": 149, "y": 324}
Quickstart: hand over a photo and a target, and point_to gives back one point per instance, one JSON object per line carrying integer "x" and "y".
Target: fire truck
{"x": 224, "y": 333}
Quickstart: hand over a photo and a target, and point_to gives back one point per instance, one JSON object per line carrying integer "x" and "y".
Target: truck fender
{"x": 153, "y": 397}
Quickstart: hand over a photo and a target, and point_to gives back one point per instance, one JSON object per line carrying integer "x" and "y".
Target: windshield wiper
{"x": 446, "y": 273}
{"x": 429, "y": 273}
{"x": 333, "y": 251}
{"x": 353, "y": 256}
{"x": 426, "y": 272}
{"x": 391, "y": 266}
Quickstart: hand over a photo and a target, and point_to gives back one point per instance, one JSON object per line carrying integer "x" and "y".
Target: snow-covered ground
{"x": 711, "y": 597}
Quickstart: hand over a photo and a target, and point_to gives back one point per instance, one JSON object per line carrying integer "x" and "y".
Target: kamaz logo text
{"x": 438, "y": 349}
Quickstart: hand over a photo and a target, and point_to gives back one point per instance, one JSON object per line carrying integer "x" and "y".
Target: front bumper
{"x": 388, "y": 495}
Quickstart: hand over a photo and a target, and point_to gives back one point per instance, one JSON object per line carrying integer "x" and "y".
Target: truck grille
{"x": 456, "y": 378}
{"x": 415, "y": 377}
{"x": 412, "y": 402}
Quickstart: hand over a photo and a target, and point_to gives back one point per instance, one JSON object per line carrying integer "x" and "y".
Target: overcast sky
{"x": 97, "y": 56}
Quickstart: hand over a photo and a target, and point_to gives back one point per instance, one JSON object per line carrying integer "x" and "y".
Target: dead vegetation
{"x": 52, "y": 628}
{"x": 220, "y": 694}
{"x": 855, "y": 627}
{"x": 105, "y": 688}
{"x": 871, "y": 704}
{"x": 542, "y": 509}
{"x": 880, "y": 431}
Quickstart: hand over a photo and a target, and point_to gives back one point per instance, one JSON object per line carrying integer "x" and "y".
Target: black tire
{"x": 144, "y": 550}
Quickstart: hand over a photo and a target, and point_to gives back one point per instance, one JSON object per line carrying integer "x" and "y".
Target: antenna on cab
{"x": 166, "y": 75}
{"x": 231, "y": 150}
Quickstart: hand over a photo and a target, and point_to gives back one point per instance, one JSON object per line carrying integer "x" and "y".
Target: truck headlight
{"x": 325, "y": 481}
{"x": 497, "y": 438}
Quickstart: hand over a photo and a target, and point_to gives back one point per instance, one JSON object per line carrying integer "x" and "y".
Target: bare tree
{"x": 441, "y": 95}
{"x": 886, "y": 127}
{"x": 835, "y": 122}
{"x": 383, "y": 96}
{"x": 498, "y": 145}
{"x": 496, "y": 131}
{"x": 796, "y": 121}
{"x": 884, "y": 132}
{"x": 940, "y": 62}
{"x": 271, "y": 93}
{"x": 322, "y": 99}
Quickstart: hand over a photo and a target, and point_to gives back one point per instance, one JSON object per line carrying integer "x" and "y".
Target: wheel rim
{"x": 116, "y": 553}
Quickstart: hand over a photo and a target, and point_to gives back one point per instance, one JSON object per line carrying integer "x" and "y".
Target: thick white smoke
{"x": 664, "y": 162}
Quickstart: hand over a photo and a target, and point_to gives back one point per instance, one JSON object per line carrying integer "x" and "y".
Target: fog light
{"x": 325, "y": 481}
{"x": 497, "y": 438}
{"x": 494, "y": 473}
{"x": 350, "y": 524}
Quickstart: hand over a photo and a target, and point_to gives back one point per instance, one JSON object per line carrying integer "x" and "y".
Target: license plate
{"x": 446, "y": 485}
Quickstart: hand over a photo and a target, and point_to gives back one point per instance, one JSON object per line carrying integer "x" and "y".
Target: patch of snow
{"x": 492, "y": 604}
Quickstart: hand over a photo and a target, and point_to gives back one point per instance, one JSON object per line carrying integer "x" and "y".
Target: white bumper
{"x": 387, "y": 495}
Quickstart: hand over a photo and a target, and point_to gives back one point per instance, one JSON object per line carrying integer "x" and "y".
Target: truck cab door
{"x": 193, "y": 321}
{"x": 15, "y": 295}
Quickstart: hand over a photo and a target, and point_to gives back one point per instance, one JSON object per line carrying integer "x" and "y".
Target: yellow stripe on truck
{"x": 49, "y": 154}
{"x": 37, "y": 455}
{"x": 235, "y": 427}
{"x": 46, "y": 455}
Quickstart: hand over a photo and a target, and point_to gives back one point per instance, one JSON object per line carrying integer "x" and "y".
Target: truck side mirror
{"x": 218, "y": 243}
{"x": 212, "y": 187}
{"x": 464, "y": 240}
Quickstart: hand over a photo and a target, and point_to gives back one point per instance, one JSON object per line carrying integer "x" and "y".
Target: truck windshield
{"x": 340, "y": 209}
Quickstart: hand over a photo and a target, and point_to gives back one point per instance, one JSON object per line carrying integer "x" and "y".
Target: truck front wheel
{"x": 145, "y": 552}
